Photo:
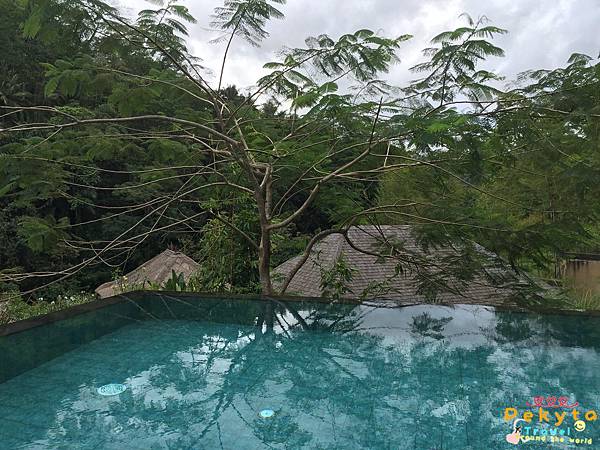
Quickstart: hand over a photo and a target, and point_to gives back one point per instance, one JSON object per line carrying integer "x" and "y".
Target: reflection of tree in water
{"x": 332, "y": 382}
{"x": 530, "y": 355}
{"x": 426, "y": 325}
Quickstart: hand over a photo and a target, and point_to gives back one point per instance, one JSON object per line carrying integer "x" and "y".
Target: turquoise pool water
{"x": 198, "y": 374}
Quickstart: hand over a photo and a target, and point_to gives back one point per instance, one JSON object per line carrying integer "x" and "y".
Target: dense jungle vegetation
{"x": 115, "y": 143}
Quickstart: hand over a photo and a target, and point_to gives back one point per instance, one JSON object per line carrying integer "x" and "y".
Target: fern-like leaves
{"x": 246, "y": 18}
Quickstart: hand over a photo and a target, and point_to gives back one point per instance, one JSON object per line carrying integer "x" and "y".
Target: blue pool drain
{"x": 112, "y": 389}
{"x": 266, "y": 413}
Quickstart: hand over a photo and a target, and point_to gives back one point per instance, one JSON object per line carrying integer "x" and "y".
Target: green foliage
{"x": 335, "y": 280}
{"x": 246, "y": 18}
{"x": 362, "y": 54}
{"x": 42, "y": 235}
{"x": 85, "y": 177}
{"x": 226, "y": 258}
{"x": 176, "y": 283}
{"x": 452, "y": 67}
{"x": 451, "y": 154}
{"x": 67, "y": 77}
{"x": 14, "y": 308}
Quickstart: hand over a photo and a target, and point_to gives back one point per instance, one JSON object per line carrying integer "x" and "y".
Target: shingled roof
{"x": 156, "y": 271}
{"x": 370, "y": 270}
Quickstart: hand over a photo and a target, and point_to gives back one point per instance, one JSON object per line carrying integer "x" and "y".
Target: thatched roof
{"x": 370, "y": 270}
{"x": 156, "y": 271}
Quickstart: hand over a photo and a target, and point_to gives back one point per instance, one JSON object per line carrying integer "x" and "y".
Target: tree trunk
{"x": 264, "y": 262}
{"x": 264, "y": 249}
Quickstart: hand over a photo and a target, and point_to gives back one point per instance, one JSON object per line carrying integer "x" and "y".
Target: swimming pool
{"x": 209, "y": 373}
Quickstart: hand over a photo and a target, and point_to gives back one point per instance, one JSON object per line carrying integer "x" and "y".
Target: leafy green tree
{"x": 128, "y": 146}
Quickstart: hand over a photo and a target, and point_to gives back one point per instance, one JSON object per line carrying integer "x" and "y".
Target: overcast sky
{"x": 542, "y": 33}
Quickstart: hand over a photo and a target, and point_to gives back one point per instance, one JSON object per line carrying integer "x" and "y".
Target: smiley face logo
{"x": 579, "y": 425}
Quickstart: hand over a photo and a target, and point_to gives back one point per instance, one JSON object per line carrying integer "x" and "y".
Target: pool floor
{"x": 203, "y": 385}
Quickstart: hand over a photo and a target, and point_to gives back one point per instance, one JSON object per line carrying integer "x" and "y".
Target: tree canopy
{"x": 115, "y": 142}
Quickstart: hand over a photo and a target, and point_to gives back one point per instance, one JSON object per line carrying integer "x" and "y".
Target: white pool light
{"x": 112, "y": 389}
{"x": 266, "y": 413}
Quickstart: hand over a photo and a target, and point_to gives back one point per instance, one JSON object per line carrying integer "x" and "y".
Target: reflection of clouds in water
{"x": 459, "y": 409}
{"x": 511, "y": 364}
{"x": 463, "y": 327}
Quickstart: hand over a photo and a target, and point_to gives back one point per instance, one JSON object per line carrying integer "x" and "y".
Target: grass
{"x": 583, "y": 299}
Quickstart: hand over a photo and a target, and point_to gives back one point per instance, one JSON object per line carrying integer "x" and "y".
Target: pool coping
{"x": 73, "y": 311}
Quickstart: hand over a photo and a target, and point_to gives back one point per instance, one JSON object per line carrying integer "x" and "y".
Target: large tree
{"x": 215, "y": 160}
